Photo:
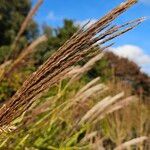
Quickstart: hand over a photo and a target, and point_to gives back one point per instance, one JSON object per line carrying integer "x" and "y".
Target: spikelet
{"x": 131, "y": 142}
{"x": 100, "y": 107}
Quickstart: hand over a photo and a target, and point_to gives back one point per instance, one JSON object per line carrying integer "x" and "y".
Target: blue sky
{"x": 137, "y": 42}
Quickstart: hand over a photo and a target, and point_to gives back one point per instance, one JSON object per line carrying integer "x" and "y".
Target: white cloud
{"x": 134, "y": 53}
{"x": 145, "y": 1}
{"x": 83, "y": 22}
{"x": 50, "y": 16}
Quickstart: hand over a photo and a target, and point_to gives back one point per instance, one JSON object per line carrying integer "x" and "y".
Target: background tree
{"x": 12, "y": 14}
{"x": 118, "y": 68}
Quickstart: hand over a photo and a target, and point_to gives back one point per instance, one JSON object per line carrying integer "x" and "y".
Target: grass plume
{"x": 57, "y": 65}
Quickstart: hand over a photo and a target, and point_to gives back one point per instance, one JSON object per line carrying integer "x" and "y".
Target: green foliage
{"x": 9, "y": 86}
{"x": 4, "y": 53}
{"x": 6, "y": 91}
{"x": 12, "y": 14}
{"x": 101, "y": 69}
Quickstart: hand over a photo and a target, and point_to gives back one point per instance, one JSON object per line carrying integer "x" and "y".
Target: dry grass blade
{"x": 95, "y": 56}
{"x": 99, "y": 108}
{"x": 121, "y": 104}
{"x": 89, "y": 136}
{"x": 90, "y": 84}
{"x": 52, "y": 70}
{"x": 131, "y": 142}
{"x": 3, "y": 68}
{"x": 92, "y": 111}
{"x": 80, "y": 70}
{"x": 7, "y": 129}
{"x": 105, "y": 105}
{"x": 117, "y": 30}
{"x": 26, "y": 22}
{"x": 85, "y": 95}
{"x": 25, "y": 53}
{"x": 81, "y": 97}
{"x": 92, "y": 62}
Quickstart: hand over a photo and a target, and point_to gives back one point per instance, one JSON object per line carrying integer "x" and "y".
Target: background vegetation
{"x": 87, "y": 110}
